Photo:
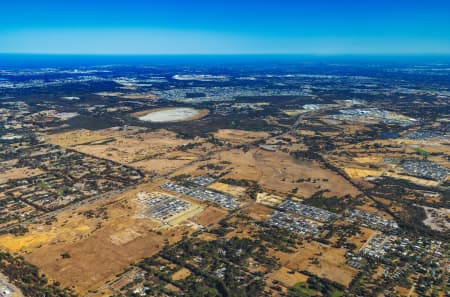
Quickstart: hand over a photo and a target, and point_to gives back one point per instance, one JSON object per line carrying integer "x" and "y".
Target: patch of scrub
{"x": 172, "y": 115}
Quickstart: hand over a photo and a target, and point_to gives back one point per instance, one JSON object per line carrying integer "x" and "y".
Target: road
{"x": 72, "y": 206}
{"x": 103, "y": 196}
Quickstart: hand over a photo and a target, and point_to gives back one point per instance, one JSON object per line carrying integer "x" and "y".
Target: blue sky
{"x": 225, "y": 27}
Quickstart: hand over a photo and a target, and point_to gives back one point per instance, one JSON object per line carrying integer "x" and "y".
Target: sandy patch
{"x": 269, "y": 199}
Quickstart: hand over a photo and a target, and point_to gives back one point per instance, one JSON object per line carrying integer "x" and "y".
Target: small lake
{"x": 170, "y": 115}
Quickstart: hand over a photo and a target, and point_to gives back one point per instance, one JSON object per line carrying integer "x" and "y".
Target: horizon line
{"x": 226, "y": 54}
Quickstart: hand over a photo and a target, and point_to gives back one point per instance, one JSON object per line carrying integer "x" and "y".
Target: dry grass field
{"x": 154, "y": 151}
{"x": 181, "y": 274}
{"x": 209, "y": 216}
{"x": 7, "y": 172}
{"x": 229, "y": 189}
{"x": 184, "y": 216}
{"x": 163, "y": 165}
{"x": 236, "y": 137}
{"x": 242, "y": 230}
{"x": 305, "y": 132}
{"x": 77, "y": 137}
{"x": 375, "y": 154}
{"x": 359, "y": 239}
{"x": 287, "y": 277}
{"x": 404, "y": 292}
{"x": 273, "y": 171}
{"x": 100, "y": 240}
{"x": 416, "y": 180}
{"x": 331, "y": 262}
{"x": 362, "y": 172}
{"x": 207, "y": 237}
{"x": 258, "y": 211}
{"x": 294, "y": 112}
{"x": 280, "y": 172}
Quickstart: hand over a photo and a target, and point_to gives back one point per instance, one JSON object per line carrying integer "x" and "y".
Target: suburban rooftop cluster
{"x": 162, "y": 206}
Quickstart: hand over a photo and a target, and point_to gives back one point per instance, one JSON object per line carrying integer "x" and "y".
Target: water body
{"x": 170, "y": 115}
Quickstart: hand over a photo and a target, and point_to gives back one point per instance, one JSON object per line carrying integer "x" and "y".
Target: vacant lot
{"x": 258, "y": 211}
{"x": 184, "y": 216}
{"x": 210, "y": 216}
{"x": 229, "y": 189}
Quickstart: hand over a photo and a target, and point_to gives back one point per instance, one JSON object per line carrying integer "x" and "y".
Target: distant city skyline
{"x": 231, "y": 27}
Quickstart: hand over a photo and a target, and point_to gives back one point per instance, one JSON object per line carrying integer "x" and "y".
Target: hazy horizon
{"x": 21, "y": 60}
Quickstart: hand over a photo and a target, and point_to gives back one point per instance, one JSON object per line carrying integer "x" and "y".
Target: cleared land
{"x": 100, "y": 240}
{"x": 269, "y": 199}
{"x": 274, "y": 171}
{"x": 229, "y": 189}
{"x": 209, "y": 216}
{"x": 155, "y": 151}
{"x": 437, "y": 218}
{"x": 280, "y": 172}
